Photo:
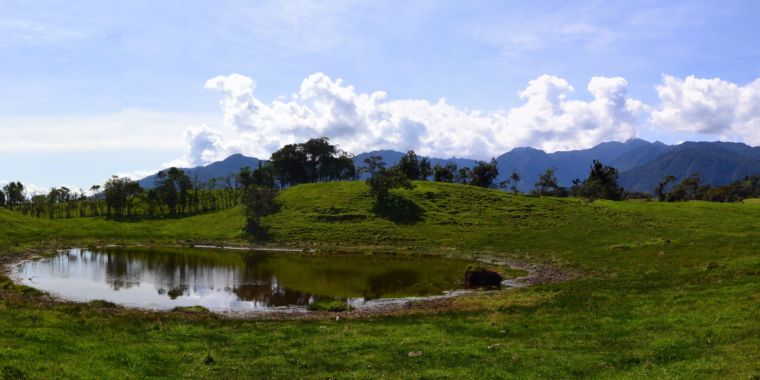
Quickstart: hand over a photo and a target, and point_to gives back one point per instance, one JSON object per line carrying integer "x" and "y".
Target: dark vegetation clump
{"x": 12, "y": 373}
{"x": 392, "y": 206}
{"x": 191, "y": 309}
{"x": 331, "y": 306}
{"x": 208, "y": 360}
{"x": 602, "y": 183}
{"x": 103, "y": 304}
{"x": 481, "y": 277}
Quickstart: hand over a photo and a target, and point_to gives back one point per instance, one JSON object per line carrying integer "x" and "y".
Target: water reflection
{"x": 220, "y": 280}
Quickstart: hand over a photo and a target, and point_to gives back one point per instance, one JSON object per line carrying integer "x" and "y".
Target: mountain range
{"x": 642, "y": 164}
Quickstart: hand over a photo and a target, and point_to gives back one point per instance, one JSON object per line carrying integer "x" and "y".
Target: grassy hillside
{"x": 666, "y": 291}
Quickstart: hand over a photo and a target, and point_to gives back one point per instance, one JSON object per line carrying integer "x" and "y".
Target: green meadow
{"x": 658, "y": 290}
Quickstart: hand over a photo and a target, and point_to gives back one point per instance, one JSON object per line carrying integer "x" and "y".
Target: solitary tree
{"x": 547, "y": 183}
{"x": 385, "y": 180}
{"x": 373, "y": 164}
{"x": 602, "y": 183}
{"x": 660, "y": 190}
{"x": 514, "y": 179}
{"x": 14, "y": 194}
{"x": 257, "y": 201}
{"x": 484, "y": 173}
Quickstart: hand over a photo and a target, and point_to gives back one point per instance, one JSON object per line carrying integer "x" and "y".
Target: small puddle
{"x": 224, "y": 281}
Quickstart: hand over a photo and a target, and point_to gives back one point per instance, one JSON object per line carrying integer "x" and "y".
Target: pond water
{"x": 236, "y": 281}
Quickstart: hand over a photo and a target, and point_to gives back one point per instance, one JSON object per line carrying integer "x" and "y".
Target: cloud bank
{"x": 549, "y": 117}
{"x": 709, "y": 106}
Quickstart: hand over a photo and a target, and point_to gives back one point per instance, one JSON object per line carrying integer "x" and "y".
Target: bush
{"x": 331, "y": 306}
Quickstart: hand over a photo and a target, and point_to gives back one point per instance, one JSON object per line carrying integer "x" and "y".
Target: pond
{"x": 221, "y": 280}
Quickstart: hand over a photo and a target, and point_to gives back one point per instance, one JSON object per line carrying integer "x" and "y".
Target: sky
{"x": 92, "y": 89}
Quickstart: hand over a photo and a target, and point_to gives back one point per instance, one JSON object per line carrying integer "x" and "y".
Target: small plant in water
{"x": 191, "y": 309}
{"x": 103, "y": 304}
{"x": 332, "y": 306}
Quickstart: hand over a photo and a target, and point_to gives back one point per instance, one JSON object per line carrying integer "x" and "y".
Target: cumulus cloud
{"x": 709, "y": 106}
{"x": 205, "y": 145}
{"x": 359, "y": 122}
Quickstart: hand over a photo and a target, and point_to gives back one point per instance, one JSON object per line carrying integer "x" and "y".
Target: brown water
{"x": 236, "y": 281}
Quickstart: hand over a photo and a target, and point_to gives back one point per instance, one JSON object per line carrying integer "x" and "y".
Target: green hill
{"x": 664, "y": 290}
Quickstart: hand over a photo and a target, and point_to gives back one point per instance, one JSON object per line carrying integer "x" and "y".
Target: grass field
{"x": 666, "y": 290}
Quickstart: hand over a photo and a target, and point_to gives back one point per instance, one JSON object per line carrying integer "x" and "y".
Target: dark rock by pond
{"x": 479, "y": 276}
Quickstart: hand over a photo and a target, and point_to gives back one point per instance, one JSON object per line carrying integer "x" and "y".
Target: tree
{"x": 132, "y": 191}
{"x": 319, "y": 158}
{"x": 94, "y": 209}
{"x": 425, "y": 170}
{"x": 38, "y": 204}
{"x": 182, "y": 184}
{"x": 445, "y": 173}
{"x": 602, "y": 183}
{"x": 257, "y": 201}
{"x": 2, "y": 199}
{"x": 409, "y": 165}
{"x": 484, "y": 173}
{"x": 514, "y": 179}
{"x": 373, "y": 164}
{"x": 384, "y": 180}
{"x": 118, "y": 193}
{"x": 464, "y": 176}
{"x": 688, "y": 189}
{"x": 341, "y": 167}
{"x": 547, "y": 183}
{"x": 413, "y": 167}
{"x": 289, "y": 164}
{"x": 14, "y": 194}
{"x": 262, "y": 176}
{"x": 166, "y": 191}
{"x": 660, "y": 190}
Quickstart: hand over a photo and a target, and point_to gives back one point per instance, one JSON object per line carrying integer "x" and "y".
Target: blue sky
{"x": 91, "y": 89}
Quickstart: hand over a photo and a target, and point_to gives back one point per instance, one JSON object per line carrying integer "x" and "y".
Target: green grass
{"x": 667, "y": 290}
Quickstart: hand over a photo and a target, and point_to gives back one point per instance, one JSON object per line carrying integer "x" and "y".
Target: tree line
{"x": 175, "y": 193}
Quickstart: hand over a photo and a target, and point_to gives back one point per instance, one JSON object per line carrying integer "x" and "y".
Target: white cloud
{"x": 360, "y": 122}
{"x": 709, "y": 106}
{"x": 205, "y": 145}
{"x": 127, "y": 129}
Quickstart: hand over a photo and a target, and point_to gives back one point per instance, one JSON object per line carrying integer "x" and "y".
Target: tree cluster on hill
{"x": 692, "y": 188}
{"x": 313, "y": 161}
{"x": 412, "y": 167}
{"x": 602, "y": 183}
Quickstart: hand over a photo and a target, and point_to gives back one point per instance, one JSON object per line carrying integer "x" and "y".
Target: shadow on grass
{"x": 257, "y": 234}
{"x": 398, "y": 210}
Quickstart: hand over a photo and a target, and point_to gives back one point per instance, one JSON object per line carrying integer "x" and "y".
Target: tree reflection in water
{"x": 233, "y": 279}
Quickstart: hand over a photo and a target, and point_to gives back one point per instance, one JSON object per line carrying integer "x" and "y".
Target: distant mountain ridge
{"x": 228, "y": 166}
{"x": 642, "y": 164}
